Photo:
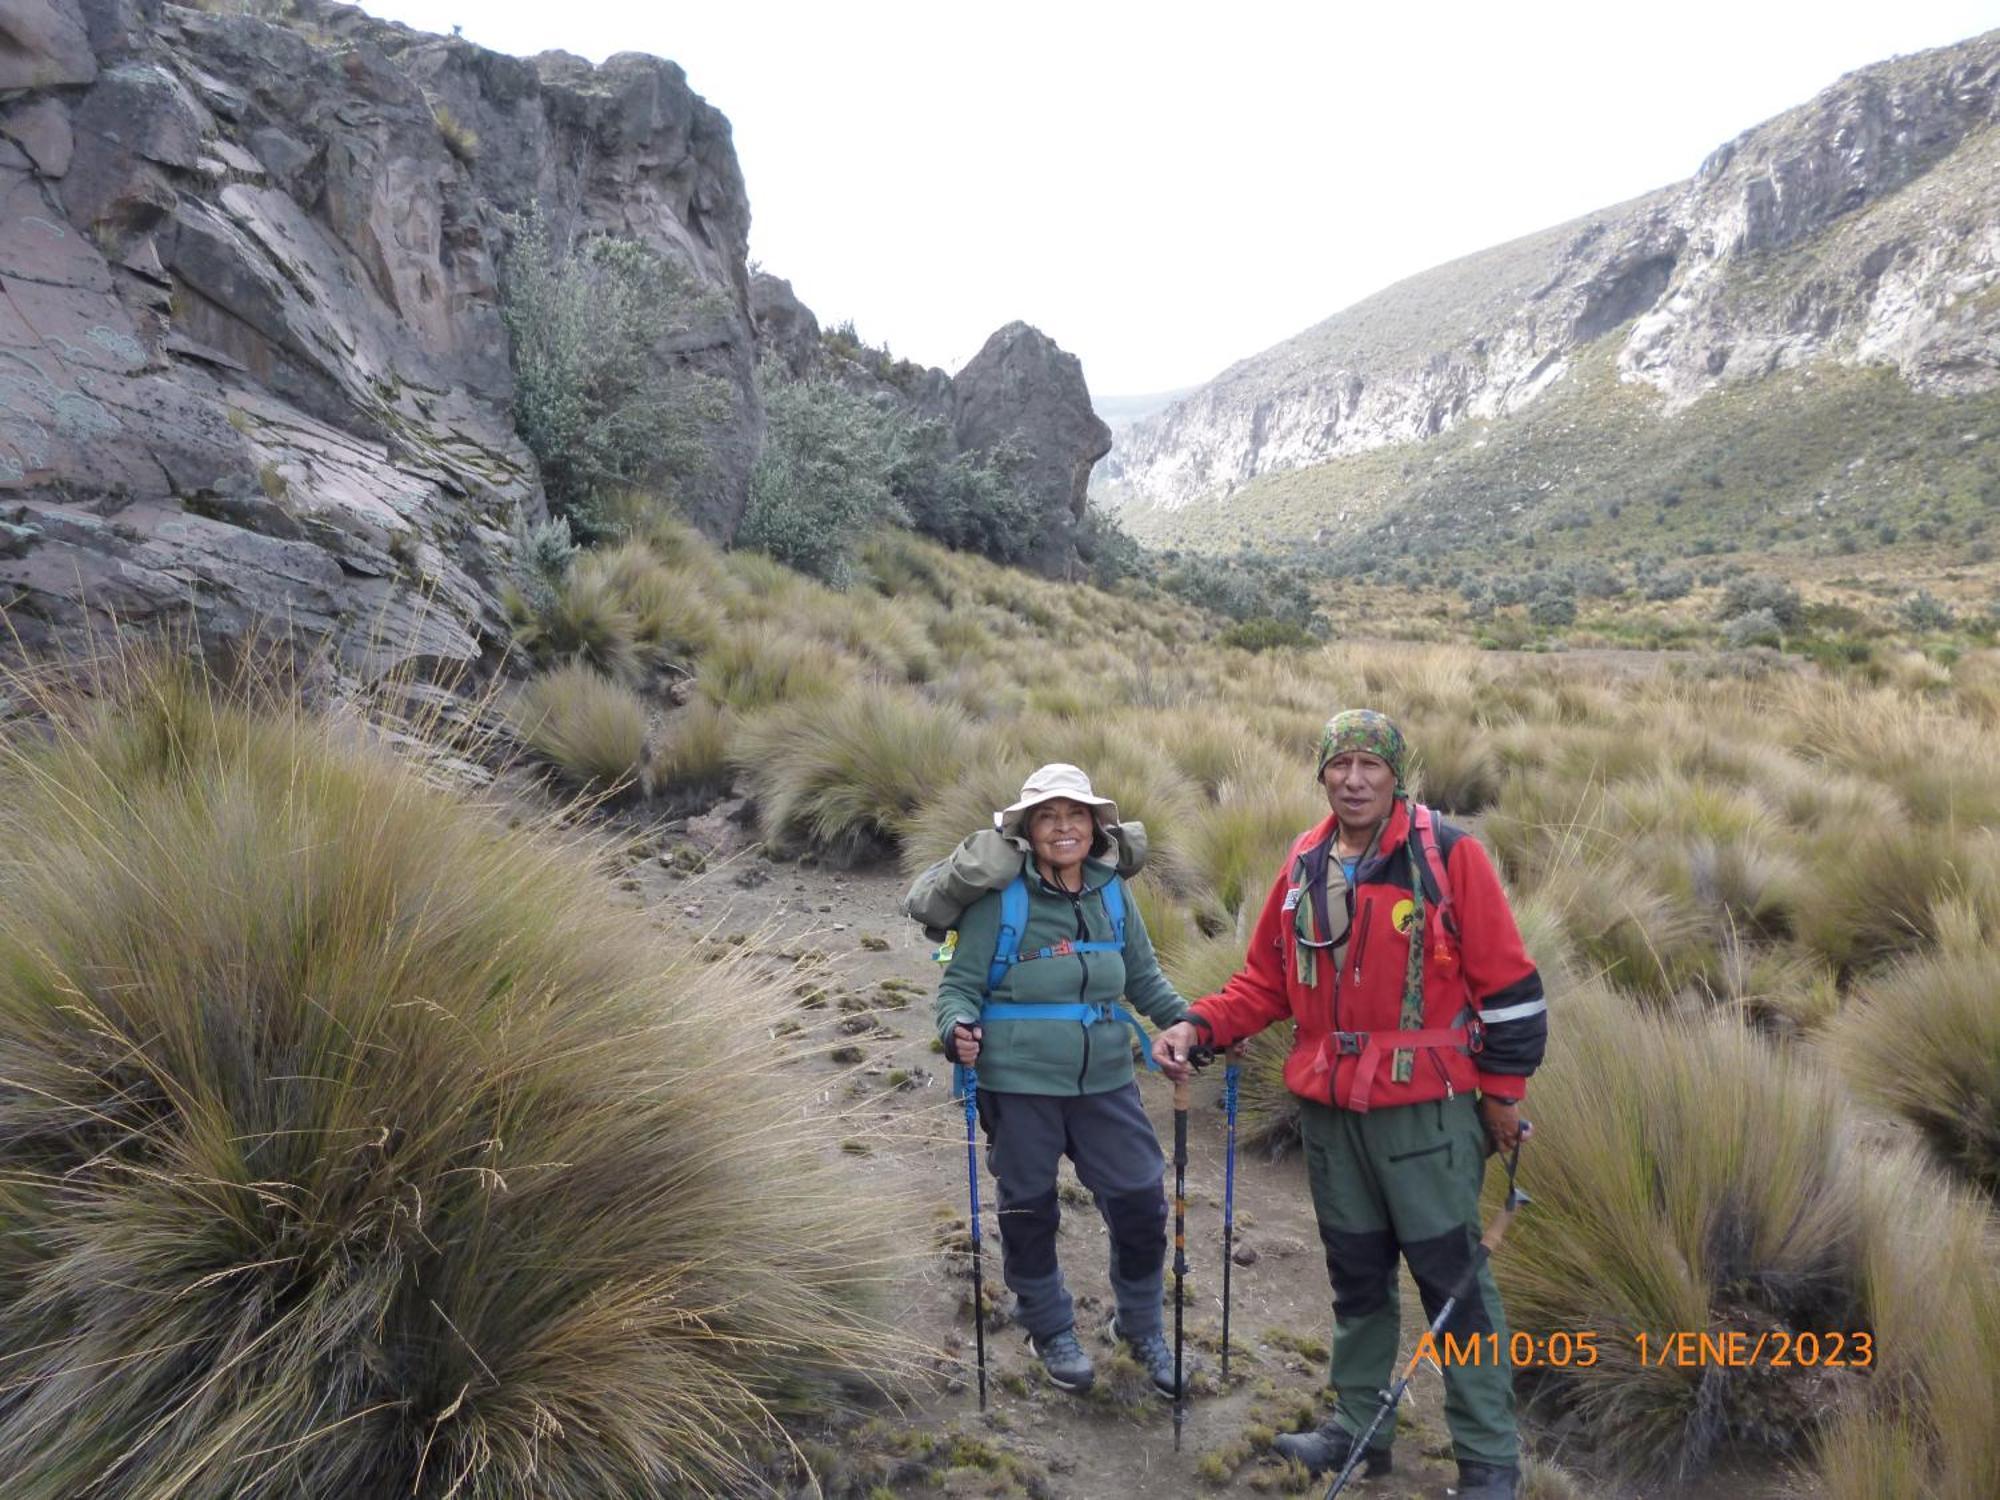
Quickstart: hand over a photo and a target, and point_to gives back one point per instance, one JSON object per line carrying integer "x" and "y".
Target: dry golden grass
{"x": 590, "y": 728}
{"x": 351, "y": 1144}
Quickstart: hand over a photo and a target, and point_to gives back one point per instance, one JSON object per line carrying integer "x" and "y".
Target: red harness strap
{"x": 1374, "y": 1046}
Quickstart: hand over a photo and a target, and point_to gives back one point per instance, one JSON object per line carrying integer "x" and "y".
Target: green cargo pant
{"x": 1406, "y": 1179}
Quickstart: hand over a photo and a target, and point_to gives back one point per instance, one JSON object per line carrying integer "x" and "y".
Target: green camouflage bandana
{"x": 1365, "y": 730}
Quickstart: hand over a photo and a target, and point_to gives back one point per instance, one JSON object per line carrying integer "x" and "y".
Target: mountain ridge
{"x": 1861, "y": 227}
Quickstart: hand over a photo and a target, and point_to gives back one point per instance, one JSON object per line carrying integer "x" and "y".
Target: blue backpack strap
{"x": 1013, "y": 920}
{"x": 1114, "y": 907}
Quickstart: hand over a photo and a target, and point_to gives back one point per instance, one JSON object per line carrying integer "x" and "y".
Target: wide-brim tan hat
{"x": 1049, "y": 783}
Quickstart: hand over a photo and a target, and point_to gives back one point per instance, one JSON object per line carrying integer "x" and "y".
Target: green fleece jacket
{"x": 1056, "y": 1056}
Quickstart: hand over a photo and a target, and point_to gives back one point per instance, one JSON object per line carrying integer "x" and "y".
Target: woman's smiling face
{"x": 1060, "y": 832}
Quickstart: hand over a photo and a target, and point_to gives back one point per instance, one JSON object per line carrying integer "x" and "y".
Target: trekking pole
{"x": 1180, "y": 1248}
{"x": 1230, "y": 1075}
{"x": 1481, "y": 1253}
{"x": 967, "y": 1083}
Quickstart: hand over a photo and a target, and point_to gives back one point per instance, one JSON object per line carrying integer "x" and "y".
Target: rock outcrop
{"x": 252, "y": 366}
{"x": 1021, "y": 386}
{"x": 1862, "y": 227}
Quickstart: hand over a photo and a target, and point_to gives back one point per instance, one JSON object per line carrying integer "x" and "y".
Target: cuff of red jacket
{"x": 1510, "y": 1086}
{"x": 1202, "y": 1024}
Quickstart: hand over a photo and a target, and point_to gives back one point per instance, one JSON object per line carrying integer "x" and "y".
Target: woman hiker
{"x": 1387, "y": 938}
{"x": 1061, "y": 1083}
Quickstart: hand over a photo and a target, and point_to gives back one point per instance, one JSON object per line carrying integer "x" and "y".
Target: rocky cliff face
{"x": 252, "y": 367}
{"x": 1861, "y": 228}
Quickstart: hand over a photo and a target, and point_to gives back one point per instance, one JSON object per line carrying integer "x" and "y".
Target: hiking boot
{"x": 1156, "y": 1357}
{"x": 1325, "y": 1449}
{"x": 1487, "y": 1481}
{"x": 1064, "y": 1361}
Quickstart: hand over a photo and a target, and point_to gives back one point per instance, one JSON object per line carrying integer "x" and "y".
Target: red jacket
{"x": 1479, "y": 973}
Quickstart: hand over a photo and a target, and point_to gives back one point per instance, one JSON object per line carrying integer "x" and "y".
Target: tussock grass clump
{"x": 1457, "y": 770}
{"x": 1930, "y": 1270}
{"x": 759, "y": 665}
{"x": 847, "y": 774}
{"x": 1689, "y": 1178}
{"x": 584, "y": 619}
{"x": 672, "y": 617}
{"x": 590, "y": 728}
{"x": 693, "y": 751}
{"x": 1923, "y": 1041}
{"x": 1237, "y": 844}
{"x": 353, "y": 1145}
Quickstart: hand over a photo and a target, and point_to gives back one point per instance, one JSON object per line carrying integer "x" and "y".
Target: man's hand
{"x": 1172, "y": 1046}
{"x": 1502, "y": 1119}
{"x": 965, "y": 1040}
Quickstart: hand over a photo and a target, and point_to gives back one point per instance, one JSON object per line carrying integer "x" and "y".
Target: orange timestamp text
{"x": 1734, "y": 1348}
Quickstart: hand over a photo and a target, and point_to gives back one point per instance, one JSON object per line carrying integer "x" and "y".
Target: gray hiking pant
{"x": 1118, "y": 1159}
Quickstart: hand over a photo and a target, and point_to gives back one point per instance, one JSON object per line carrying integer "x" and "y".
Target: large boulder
{"x": 1022, "y": 386}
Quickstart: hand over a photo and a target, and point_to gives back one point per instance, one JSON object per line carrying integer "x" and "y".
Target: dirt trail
{"x": 904, "y": 1130}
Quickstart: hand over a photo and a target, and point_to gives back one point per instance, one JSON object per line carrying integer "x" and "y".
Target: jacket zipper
{"x": 1361, "y": 936}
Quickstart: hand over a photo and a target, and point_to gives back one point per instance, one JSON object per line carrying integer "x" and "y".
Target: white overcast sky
{"x": 1167, "y": 188}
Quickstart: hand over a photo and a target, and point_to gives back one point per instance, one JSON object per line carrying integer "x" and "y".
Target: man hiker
{"x": 1388, "y": 940}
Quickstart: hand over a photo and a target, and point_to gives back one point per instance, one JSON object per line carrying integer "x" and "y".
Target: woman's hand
{"x": 1172, "y": 1046}
{"x": 965, "y": 1043}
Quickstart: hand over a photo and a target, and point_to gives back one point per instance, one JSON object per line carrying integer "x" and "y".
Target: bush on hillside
{"x": 1107, "y": 549}
{"x": 1748, "y": 592}
{"x": 970, "y": 502}
{"x": 596, "y": 398}
{"x": 1757, "y": 627}
{"x": 822, "y": 480}
{"x": 352, "y": 1144}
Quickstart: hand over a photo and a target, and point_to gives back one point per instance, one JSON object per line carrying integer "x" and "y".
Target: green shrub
{"x": 822, "y": 479}
{"x": 1924, "y": 611}
{"x": 1748, "y": 593}
{"x": 1266, "y": 634}
{"x": 353, "y": 1145}
{"x": 970, "y": 502}
{"x": 595, "y": 399}
{"x": 1757, "y": 627}
{"x": 592, "y": 729}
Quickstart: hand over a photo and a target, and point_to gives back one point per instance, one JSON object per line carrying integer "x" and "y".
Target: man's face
{"x": 1361, "y": 788}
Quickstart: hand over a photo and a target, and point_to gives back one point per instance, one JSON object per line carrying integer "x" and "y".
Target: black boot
{"x": 1325, "y": 1449}
{"x": 1487, "y": 1482}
